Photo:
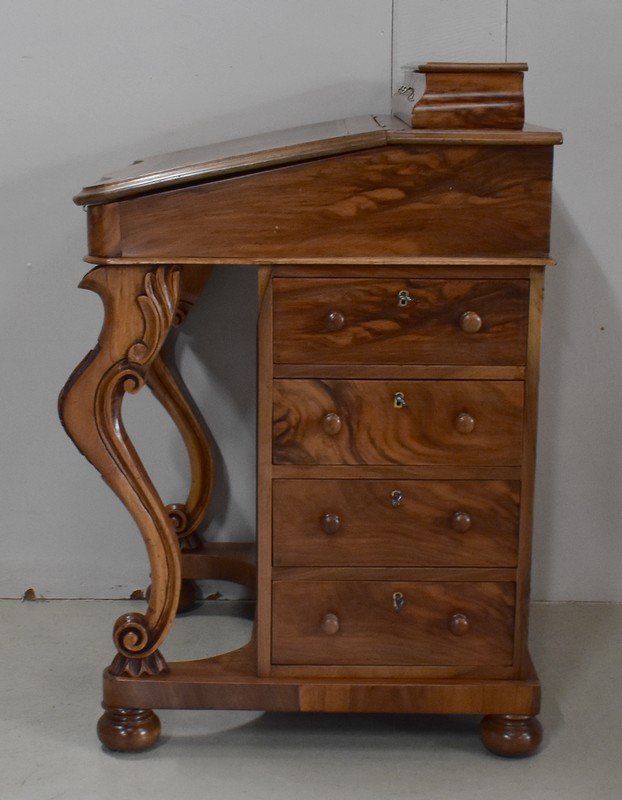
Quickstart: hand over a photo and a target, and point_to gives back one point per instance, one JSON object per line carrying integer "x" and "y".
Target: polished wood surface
{"x": 354, "y": 572}
{"x": 400, "y": 321}
{"x": 399, "y": 315}
{"x": 392, "y": 201}
{"x": 372, "y": 627}
{"x": 357, "y": 422}
{"x": 393, "y": 371}
{"x": 511, "y": 735}
{"x": 265, "y": 150}
{"x": 231, "y": 681}
{"x": 279, "y": 148}
{"x": 470, "y": 96}
{"x": 515, "y": 266}
{"x": 395, "y": 523}
{"x": 536, "y": 298}
{"x": 222, "y": 561}
{"x": 128, "y": 730}
{"x": 264, "y": 471}
{"x": 473, "y": 66}
{"x": 165, "y": 382}
{"x": 139, "y": 306}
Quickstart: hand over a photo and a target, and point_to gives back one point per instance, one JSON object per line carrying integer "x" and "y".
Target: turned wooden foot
{"x": 190, "y": 596}
{"x": 511, "y": 735}
{"x": 128, "y": 730}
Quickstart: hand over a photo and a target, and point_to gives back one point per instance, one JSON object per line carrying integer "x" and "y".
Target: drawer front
{"x": 368, "y": 321}
{"x": 397, "y": 422}
{"x": 409, "y": 523}
{"x": 392, "y": 623}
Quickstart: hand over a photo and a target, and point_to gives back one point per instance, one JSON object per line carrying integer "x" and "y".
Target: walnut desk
{"x": 400, "y": 281}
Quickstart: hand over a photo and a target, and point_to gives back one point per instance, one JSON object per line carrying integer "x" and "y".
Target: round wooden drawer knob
{"x": 335, "y": 321}
{"x": 464, "y": 423}
{"x": 331, "y": 523}
{"x": 461, "y": 521}
{"x": 330, "y": 624}
{"x": 331, "y": 423}
{"x": 470, "y": 322}
{"x": 459, "y": 625}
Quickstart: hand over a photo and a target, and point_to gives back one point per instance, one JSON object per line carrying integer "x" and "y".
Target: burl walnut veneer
{"x": 400, "y": 279}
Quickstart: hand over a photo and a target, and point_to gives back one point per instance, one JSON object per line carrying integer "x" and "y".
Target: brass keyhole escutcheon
{"x": 399, "y": 401}
{"x": 398, "y": 601}
{"x": 396, "y": 498}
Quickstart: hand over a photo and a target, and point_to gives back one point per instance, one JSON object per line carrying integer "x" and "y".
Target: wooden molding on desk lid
{"x": 449, "y": 96}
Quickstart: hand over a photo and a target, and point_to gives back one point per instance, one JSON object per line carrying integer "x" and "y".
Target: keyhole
{"x": 398, "y": 601}
{"x": 399, "y": 401}
{"x": 396, "y": 498}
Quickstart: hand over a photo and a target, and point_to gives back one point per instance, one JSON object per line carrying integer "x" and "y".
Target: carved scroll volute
{"x": 140, "y": 304}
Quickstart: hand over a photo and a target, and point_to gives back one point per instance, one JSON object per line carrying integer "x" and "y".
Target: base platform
{"x": 229, "y": 681}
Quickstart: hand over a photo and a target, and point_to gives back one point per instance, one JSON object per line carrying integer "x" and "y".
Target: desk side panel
{"x": 395, "y": 201}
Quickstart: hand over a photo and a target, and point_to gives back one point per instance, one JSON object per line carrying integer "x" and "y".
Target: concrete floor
{"x": 53, "y": 653}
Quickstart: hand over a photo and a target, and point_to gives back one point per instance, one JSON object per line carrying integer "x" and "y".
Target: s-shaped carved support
{"x": 167, "y": 386}
{"x": 140, "y": 304}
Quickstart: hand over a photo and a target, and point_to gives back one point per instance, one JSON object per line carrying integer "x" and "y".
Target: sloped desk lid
{"x": 290, "y": 146}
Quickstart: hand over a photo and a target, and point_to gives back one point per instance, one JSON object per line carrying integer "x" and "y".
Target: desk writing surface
{"x": 289, "y": 146}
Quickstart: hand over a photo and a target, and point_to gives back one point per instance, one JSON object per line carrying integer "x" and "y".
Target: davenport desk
{"x": 400, "y": 266}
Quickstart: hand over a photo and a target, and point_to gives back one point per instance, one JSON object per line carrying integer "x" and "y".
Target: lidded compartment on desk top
{"x": 445, "y": 95}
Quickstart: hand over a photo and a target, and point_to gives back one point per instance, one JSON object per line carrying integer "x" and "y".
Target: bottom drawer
{"x": 392, "y": 623}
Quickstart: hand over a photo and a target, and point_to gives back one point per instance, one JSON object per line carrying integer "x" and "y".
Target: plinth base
{"x": 230, "y": 681}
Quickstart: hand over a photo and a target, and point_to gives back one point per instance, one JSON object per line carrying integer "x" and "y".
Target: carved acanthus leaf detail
{"x": 135, "y": 667}
{"x": 157, "y": 305}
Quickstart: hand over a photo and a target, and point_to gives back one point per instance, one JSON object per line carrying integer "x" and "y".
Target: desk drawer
{"x": 397, "y": 422}
{"x": 398, "y": 523}
{"x": 364, "y": 321}
{"x": 358, "y": 623}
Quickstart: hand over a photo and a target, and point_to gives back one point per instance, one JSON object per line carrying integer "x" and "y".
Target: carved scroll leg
{"x": 140, "y": 303}
{"x": 167, "y": 386}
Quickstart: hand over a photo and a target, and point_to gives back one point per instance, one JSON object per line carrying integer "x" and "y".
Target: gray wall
{"x": 89, "y": 86}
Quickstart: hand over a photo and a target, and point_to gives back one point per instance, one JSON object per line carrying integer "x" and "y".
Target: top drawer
{"x": 400, "y": 321}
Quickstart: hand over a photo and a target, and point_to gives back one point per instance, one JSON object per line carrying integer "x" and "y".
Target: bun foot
{"x": 128, "y": 730}
{"x": 190, "y": 596}
{"x": 511, "y": 735}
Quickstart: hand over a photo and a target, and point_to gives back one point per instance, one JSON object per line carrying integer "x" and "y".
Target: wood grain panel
{"x": 364, "y": 523}
{"x": 264, "y": 477}
{"x": 438, "y": 472}
{"x": 371, "y": 631}
{"x": 390, "y": 201}
{"x": 348, "y": 321}
{"x": 395, "y": 371}
{"x": 436, "y": 574}
{"x": 471, "y": 98}
{"x": 372, "y": 430}
{"x": 231, "y": 681}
